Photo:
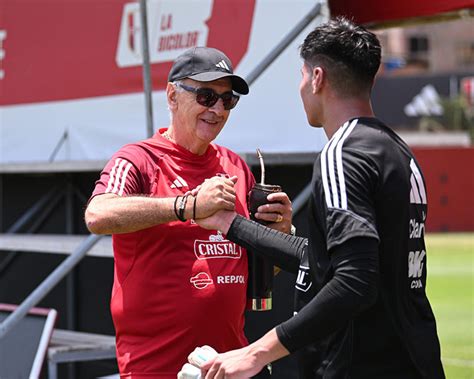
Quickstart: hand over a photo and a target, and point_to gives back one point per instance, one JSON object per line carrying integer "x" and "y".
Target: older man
{"x": 177, "y": 285}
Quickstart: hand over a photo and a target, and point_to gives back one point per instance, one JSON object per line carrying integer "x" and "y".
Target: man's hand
{"x": 235, "y": 364}
{"x": 216, "y": 193}
{"x": 278, "y": 212}
{"x": 245, "y": 362}
{"x": 221, "y": 220}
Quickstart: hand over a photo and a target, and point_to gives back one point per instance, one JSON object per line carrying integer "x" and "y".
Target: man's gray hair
{"x": 177, "y": 84}
{"x": 177, "y": 87}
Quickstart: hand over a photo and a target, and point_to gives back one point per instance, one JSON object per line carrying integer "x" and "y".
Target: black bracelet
{"x": 194, "y": 207}
{"x": 174, "y": 206}
{"x": 182, "y": 208}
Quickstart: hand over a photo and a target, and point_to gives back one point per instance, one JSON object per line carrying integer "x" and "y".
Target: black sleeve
{"x": 283, "y": 250}
{"x": 352, "y": 289}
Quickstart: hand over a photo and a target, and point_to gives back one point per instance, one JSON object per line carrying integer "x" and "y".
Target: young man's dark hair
{"x": 349, "y": 53}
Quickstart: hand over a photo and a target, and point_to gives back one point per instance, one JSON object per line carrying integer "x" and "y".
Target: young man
{"x": 369, "y": 316}
{"x": 177, "y": 285}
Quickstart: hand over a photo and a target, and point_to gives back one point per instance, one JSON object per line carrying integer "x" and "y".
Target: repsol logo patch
{"x": 201, "y": 280}
{"x": 230, "y": 279}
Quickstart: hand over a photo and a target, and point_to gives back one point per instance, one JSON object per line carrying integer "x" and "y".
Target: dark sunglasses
{"x": 208, "y": 97}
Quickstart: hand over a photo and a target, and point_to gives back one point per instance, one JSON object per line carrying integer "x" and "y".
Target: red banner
{"x": 59, "y": 50}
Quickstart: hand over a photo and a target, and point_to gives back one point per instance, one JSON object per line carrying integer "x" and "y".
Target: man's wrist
{"x": 226, "y": 221}
{"x": 189, "y": 211}
{"x": 267, "y": 349}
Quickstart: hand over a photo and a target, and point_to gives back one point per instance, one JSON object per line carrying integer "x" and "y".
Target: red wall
{"x": 449, "y": 175}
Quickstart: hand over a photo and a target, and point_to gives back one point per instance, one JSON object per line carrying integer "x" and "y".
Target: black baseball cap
{"x": 206, "y": 64}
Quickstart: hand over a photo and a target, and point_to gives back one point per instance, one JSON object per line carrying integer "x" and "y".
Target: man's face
{"x": 201, "y": 123}
{"x": 308, "y": 96}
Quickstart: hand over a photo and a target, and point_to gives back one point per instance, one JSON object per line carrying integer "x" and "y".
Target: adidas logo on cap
{"x": 223, "y": 65}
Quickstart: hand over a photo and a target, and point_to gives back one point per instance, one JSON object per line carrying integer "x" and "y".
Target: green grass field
{"x": 451, "y": 289}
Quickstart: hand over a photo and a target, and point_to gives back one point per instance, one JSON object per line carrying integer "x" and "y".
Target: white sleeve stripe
{"x": 328, "y": 149}
{"x": 112, "y": 176}
{"x": 119, "y": 175}
{"x": 332, "y": 186}
{"x": 334, "y": 202}
{"x": 414, "y": 189}
{"x": 124, "y": 178}
{"x": 419, "y": 180}
{"x": 324, "y": 177}
{"x": 182, "y": 181}
{"x": 332, "y": 174}
{"x": 340, "y": 170}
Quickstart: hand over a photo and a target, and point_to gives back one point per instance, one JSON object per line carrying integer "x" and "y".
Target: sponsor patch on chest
{"x": 216, "y": 247}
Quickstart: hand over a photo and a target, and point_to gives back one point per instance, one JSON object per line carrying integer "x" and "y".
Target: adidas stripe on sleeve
{"x": 347, "y": 180}
{"x": 119, "y": 177}
{"x": 418, "y": 192}
{"x": 332, "y": 169}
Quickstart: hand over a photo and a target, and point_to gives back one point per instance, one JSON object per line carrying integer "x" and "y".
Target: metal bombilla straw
{"x": 262, "y": 167}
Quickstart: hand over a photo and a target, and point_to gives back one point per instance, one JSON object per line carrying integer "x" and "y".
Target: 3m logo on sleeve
{"x": 415, "y": 267}
{"x": 417, "y": 193}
